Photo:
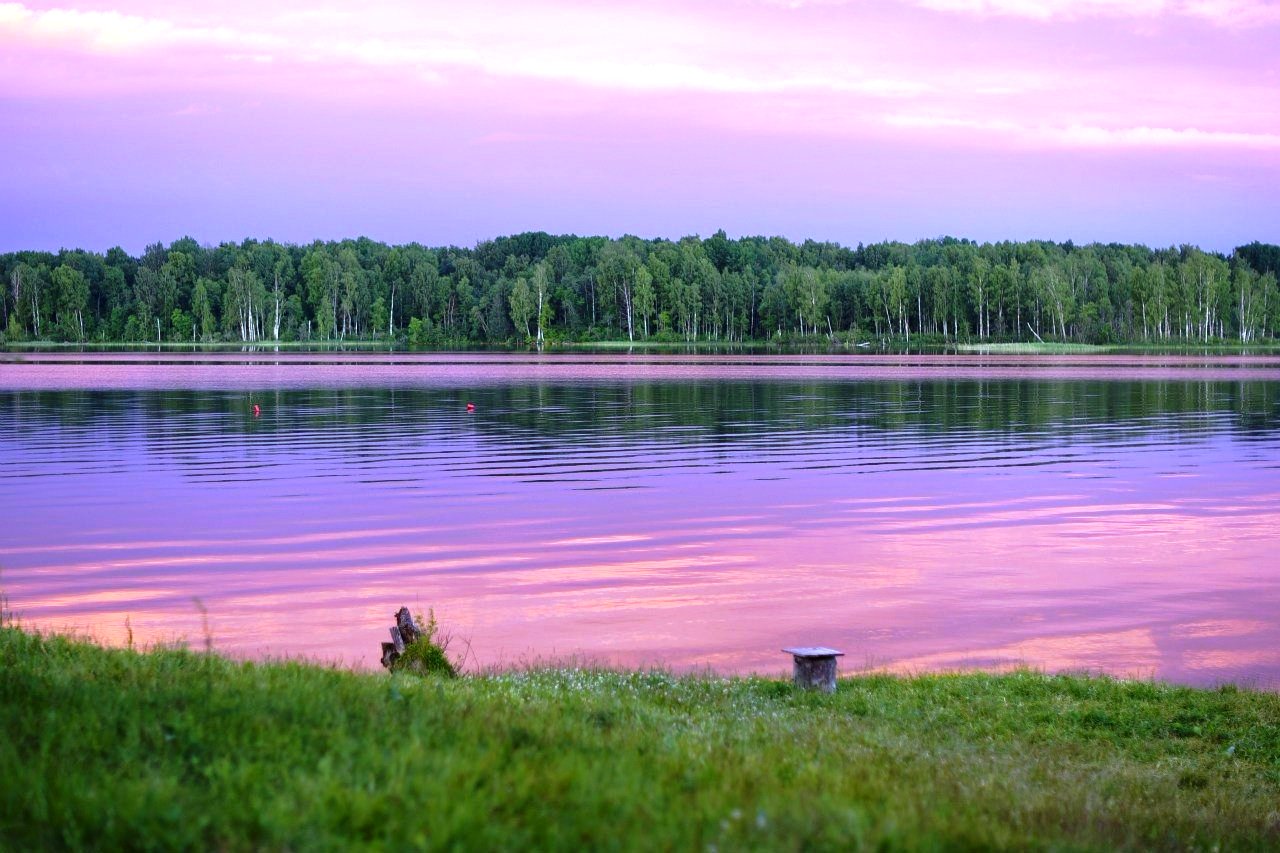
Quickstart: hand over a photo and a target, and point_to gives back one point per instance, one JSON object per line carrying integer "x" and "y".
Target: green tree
{"x": 147, "y": 298}
{"x": 1055, "y": 284}
{"x": 644, "y": 297}
{"x": 522, "y": 305}
{"x": 245, "y": 304}
{"x": 73, "y": 297}
{"x": 202, "y": 309}
{"x": 417, "y": 334}
{"x": 135, "y": 329}
{"x": 322, "y": 276}
{"x": 180, "y": 325}
{"x": 282, "y": 281}
{"x": 30, "y": 293}
{"x": 353, "y": 299}
{"x": 590, "y": 286}
{"x": 540, "y": 284}
{"x": 978, "y": 272}
{"x": 807, "y": 295}
{"x": 617, "y": 271}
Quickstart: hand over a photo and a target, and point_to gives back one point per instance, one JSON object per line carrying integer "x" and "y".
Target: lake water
{"x": 1116, "y": 514}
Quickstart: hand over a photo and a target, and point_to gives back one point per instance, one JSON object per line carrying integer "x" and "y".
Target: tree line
{"x": 535, "y": 287}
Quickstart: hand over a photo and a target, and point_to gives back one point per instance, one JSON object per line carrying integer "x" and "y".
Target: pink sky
{"x": 1153, "y": 121}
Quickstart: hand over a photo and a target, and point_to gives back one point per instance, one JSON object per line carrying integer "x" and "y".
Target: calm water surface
{"x": 1116, "y": 514}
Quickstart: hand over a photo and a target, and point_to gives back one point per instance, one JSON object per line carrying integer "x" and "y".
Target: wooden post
{"x": 405, "y": 633}
{"x": 815, "y": 667}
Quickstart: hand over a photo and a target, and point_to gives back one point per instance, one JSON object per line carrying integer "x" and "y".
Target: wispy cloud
{"x": 114, "y": 32}
{"x": 771, "y": 111}
{"x": 627, "y": 52}
{"x": 196, "y": 110}
{"x": 1162, "y": 137}
{"x": 744, "y": 64}
{"x": 1221, "y": 12}
{"x": 1089, "y": 136}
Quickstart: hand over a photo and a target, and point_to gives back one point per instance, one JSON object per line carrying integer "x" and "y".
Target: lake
{"x": 1115, "y": 514}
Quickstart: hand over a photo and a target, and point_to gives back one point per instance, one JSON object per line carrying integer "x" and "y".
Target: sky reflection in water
{"x": 653, "y": 511}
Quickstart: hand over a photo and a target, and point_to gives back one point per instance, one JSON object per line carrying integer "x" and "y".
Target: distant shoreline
{"x": 539, "y": 289}
{"x": 892, "y": 347}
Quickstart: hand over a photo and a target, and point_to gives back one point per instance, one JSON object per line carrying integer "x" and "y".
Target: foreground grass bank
{"x": 115, "y": 749}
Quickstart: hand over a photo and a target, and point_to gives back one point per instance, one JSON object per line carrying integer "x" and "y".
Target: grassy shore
{"x": 815, "y": 344}
{"x": 1037, "y": 348}
{"x": 375, "y": 344}
{"x": 168, "y": 749}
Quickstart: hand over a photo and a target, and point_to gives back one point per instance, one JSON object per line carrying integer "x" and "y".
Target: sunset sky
{"x": 1154, "y": 121}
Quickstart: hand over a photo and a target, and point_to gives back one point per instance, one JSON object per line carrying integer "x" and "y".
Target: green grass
{"x": 816, "y": 344}
{"x": 109, "y": 749}
{"x": 1132, "y": 347}
{"x": 202, "y": 346}
{"x": 639, "y": 344}
{"x": 1036, "y": 348}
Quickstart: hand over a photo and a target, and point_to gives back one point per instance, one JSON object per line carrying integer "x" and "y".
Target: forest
{"x": 537, "y": 288}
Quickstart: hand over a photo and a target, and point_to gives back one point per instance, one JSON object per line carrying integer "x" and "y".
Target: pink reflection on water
{"x": 1059, "y": 590}
{"x": 1116, "y": 560}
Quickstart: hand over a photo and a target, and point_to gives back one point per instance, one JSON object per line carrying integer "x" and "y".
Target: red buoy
{"x": 256, "y": 410}
{"x": 471, "y": 407}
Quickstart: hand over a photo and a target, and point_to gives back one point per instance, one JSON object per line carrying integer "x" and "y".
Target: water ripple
{"x": 915, "y": 522}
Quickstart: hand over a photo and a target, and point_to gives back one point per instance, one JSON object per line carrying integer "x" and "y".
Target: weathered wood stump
{"x": 815, "y": 667}
{"x": 405, "y": 633}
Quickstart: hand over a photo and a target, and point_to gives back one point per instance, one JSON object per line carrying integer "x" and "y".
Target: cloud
{"x": 1221, "y": 12}
{"x": 599, "y": 51}
{"x": 114, "y": 32}
{"x": 1161, "y": 137}
{"x": 776, "y": 72}
{"x": 1044, "y": 10}
{"x": 507, "y": 137}
{"x": 197, "y": 109}
{"x": 1090, "y": 136}
{"x": 12, "y": 14}
{"x": 1234, "y": 12}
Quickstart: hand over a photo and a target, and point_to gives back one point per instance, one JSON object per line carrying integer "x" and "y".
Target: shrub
{"x": 429, "y": 654}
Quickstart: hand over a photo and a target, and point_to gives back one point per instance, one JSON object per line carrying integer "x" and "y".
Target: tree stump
{"x": 815, "y": 667}
{"x": 404, "y": 633}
